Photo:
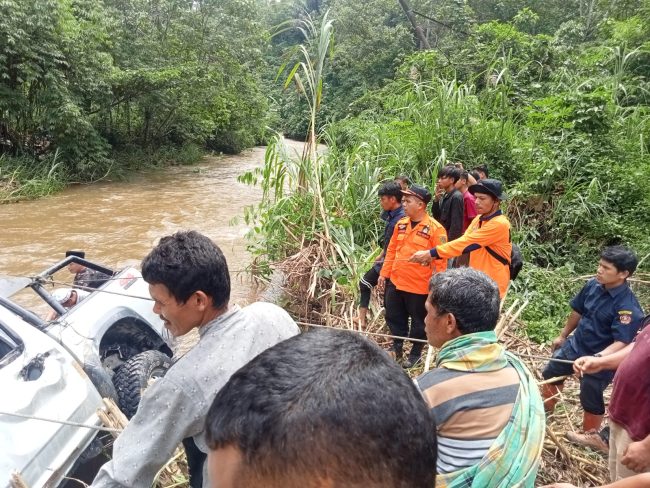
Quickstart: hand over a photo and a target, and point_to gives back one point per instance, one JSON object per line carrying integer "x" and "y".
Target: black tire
{"x": 133, "y": 377}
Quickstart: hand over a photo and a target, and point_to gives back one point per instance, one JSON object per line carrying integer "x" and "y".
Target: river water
{"x": 117, "y": 223}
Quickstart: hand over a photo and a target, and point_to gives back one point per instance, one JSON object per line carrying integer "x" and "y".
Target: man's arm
{"x": 570, "y": 326}
{"x": 614, "y": 347}
{"x": 389, "y": 260}
{"x": 166, "y": 416}
{"x": 593, "y": 364}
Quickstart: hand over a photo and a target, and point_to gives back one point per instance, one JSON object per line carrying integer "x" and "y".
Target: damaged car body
{"x": 54, "y": 374}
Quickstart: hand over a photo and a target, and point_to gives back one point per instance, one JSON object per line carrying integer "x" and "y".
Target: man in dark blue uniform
{"x": 390, "y": 199}
{"x": 605, "y": 318}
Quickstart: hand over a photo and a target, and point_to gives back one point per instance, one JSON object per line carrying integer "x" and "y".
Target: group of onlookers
{"x": 600, "y": 334}
{"x": 265, "y": 406}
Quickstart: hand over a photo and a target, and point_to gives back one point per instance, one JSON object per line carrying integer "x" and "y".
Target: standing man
{"x": 605, "y": 318}
{"x": 469, "y": 200}
{"x": 404, "y": 181}
{"x": 482, "y": 171}
{"x": 488, "y": 411}
{"x": 487, "y": 238}
{"x": 390, "y": 199}
{"x": 406, "y": 283}
{"x": 189, "y": 282}
{"x": 83, "y": 276}
{"x": 447, "y": 206}
{"x": 629, "y": 406}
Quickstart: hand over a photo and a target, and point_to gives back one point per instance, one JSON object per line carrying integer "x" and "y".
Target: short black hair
{"x": 464, "y": 175}
{"x": 475, "y": 174}
{"x": 470, "y": 295}
{"x": 325, "y": 405}
{"x": 483, "y": 168}
{"x": 621, "y": 257}
{"x": 403, "y": 179}
{"x": 391, "y": 189}
{"x": 451, "y": 171}
{"x": 187, "y": 262}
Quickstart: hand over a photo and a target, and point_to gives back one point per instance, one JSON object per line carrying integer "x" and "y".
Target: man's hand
{"x": 421, "y": 257}
{"x": 557, "y": 343}
{"x": 381, "y": 284}
{"x": 587, "y": 365}
{"x": 637, "y": 456}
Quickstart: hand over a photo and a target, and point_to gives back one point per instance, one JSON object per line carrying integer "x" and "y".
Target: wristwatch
{"x": 598, "y": 355}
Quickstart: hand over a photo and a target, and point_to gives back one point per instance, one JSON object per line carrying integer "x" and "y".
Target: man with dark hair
{"x": 406, "y": 283}
{"x": 447, "y": 206}
{"x": 605, "y": 318}
{"x": 403, "y": 181}
{"x": 85, "y": 277}
{"x": 323, "y": 409}
{"x": 487, "y": 239}
{"x": 390, "y": 199}
{"x": 190, "y": 285}
{"x": 482, "y": 172}
{"x": 629, "y": 406}
{"x": 489, "y": 413}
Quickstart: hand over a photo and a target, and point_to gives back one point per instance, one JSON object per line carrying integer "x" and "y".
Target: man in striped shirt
{"x": 487, "y": 407}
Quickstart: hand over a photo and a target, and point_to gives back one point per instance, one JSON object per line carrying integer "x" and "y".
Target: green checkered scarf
{"x": 513, "y": 459}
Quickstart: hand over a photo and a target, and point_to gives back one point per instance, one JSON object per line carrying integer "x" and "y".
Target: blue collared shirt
{"x": 608, "y": 315}
{"x": 390, "y": 217}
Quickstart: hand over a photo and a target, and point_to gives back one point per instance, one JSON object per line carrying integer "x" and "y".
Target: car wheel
{"x": 135, "y": 375}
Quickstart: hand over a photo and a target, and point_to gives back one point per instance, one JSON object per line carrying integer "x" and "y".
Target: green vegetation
{"x": 553, "y": 96}
{"x": 90, "y": 89}
{"x": 554, "y": 101}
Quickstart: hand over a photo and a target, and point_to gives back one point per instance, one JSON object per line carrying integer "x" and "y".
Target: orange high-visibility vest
{"x": 493, "y": 232}
{"x": 413, "y": 277}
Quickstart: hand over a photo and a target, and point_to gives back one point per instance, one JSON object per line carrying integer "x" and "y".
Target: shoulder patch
{"x": 443, "y": 239}
{"x": 625, "y": 317}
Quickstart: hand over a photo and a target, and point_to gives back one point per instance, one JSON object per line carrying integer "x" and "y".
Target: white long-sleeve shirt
{"x": 175, "y": 406}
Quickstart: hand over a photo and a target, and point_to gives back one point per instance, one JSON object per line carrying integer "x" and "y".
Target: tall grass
{"x": 575, "y": 163}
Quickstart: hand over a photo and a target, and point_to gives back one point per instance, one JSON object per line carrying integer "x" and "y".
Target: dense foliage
{"x": 84, "y": 83}
{"x": 552, "y": 96}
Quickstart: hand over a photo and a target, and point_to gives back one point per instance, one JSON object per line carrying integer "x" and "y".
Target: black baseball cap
{"x": 418, "y": 191}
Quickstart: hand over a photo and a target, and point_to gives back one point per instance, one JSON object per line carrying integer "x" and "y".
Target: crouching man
{"x": 486, "y": 403}
{"x": 190, "y": 284}
{"x": 323, "y": 409}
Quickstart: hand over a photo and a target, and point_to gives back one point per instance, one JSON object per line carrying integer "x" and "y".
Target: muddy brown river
{"x": 117, "y": 223}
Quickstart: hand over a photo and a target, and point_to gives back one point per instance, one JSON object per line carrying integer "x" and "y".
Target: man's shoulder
{"x": 434, "y": 223}
{"x": 627, "y": 299}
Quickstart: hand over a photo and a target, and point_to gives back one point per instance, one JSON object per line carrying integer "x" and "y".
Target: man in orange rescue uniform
{"x": 407, "y": 284}
{"x": 487, "y": 238}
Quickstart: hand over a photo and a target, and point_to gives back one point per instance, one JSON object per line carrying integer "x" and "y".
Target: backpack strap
{"x": 497, "y": 256}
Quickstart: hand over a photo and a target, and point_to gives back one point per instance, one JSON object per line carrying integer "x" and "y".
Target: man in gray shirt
{"x": 190, "y": 284}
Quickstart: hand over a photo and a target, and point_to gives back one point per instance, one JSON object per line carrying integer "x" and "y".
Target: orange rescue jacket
{"x": 493, "y": 232}
{"x": 413, "y": 277}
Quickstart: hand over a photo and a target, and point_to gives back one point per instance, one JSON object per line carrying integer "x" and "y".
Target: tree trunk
{"x": 419, "y": 33}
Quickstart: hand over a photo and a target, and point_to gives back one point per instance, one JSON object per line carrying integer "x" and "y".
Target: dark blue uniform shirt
{"x": 607, "y": 316}
{"x": 390, "y": 217}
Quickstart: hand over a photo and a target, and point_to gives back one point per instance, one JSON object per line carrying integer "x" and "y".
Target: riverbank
{"x": 25, "y": 178}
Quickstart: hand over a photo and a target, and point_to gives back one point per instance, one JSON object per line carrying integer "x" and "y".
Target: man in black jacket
{"x": 448, "y": 209}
